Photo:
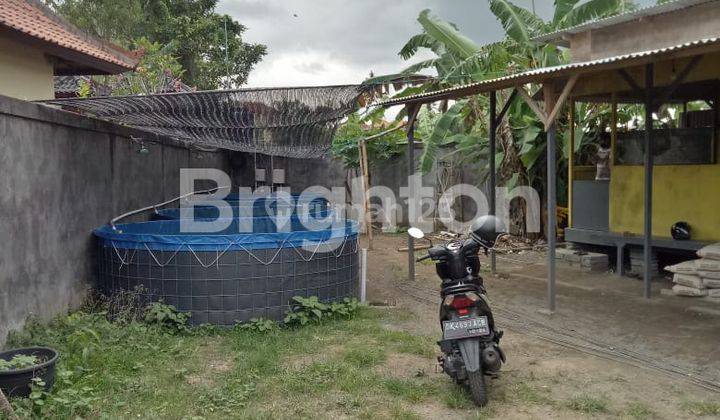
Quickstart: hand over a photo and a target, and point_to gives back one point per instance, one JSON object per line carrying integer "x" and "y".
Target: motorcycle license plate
{"x": 465, "y": 328}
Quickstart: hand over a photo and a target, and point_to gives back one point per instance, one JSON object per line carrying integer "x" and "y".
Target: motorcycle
{"x": 470, "y": 342}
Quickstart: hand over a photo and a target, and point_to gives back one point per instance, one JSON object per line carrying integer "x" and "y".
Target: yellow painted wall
{"x": 680, "y": 192}
{"x": 25, "y": 72}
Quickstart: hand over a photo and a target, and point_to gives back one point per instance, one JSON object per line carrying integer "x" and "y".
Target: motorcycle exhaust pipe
{"x": 491, "y": 359}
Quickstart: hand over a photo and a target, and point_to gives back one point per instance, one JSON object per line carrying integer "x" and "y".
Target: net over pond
{"x": 250, "y": 269}
{"x": 317, "y": 207}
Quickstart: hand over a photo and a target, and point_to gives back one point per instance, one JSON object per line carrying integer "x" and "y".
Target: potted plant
{"x": 18, "y": 367}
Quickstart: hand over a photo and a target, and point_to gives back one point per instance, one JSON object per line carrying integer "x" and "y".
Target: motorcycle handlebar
{"x": 423, "y": 258}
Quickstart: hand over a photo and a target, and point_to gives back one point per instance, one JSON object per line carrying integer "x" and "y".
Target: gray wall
{"x": 329, "y": 172}
{"x": 62, "y": 176}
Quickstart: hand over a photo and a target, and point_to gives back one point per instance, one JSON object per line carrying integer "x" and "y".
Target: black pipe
{"x": 491, "y": 161}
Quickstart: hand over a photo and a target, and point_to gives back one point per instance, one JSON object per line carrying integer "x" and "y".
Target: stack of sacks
{"x": 699, "y": 277}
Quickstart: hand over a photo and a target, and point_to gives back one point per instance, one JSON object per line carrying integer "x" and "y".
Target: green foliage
{"x": 85, "y": 89}
{"x": 134, "y": 370}
{"x": 309, "y": 310}
{"x": 589, "y": 404}
{"x": 167, "y": 317}
{"x": 463, "y": 127}
{"x": 20, "y": 361}
{"x": 702, "y": 408}
{"x": 190, "y": 31}
{"x": 520, "y": 24}
{"x": 446, "y": 127}
{"x": 158, "y": 71}
{"x": 260, "y": 325}
{"x": 345, "y": 142}
{"x": 226, "y": 400}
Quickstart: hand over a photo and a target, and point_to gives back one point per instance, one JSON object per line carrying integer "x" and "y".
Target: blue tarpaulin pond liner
{"x": 251, "y": 269}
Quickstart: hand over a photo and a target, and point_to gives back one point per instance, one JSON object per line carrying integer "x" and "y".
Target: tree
{"x": 521, "y": 138}
{"x": 360, "y": 126}
{"x": 189, "y": 30}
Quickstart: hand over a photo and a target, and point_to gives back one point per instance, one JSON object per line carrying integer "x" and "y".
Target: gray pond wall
{"x": 62, "y": 176}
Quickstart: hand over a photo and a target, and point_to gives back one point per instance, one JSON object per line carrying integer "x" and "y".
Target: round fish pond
{"x": 316, "y": 210}
{"x": 252, "y": 268}
{"x": 263, "y": 206}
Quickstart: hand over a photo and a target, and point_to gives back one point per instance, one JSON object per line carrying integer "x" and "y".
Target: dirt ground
{"x": 606, "y": 352}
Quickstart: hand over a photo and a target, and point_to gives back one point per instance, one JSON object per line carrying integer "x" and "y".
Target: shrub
{"x": 261, "y": 325}
{"x": 305, "y": 310}
{"x": 166, "y": 317}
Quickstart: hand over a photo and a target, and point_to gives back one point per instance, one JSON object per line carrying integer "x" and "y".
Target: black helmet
{"x": 680, "y": 231}
{"x": 486, "y": 229}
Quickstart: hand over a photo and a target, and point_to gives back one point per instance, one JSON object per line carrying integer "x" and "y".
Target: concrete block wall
{"x": 62, "y": 175}
{"x": 329, "y": 172}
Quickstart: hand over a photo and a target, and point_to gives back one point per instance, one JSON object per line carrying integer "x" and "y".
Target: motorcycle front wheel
{"x": 476, "y": 383}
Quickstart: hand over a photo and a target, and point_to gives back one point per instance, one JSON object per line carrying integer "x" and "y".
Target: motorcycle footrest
{"x": 445, "y": 346}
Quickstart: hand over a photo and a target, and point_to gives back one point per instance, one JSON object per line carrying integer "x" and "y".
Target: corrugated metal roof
{"x": 533, "y": 75}
{"x": 668, "y": 7}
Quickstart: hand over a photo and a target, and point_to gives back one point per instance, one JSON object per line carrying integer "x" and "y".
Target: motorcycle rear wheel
{"x": 476, "y": 383}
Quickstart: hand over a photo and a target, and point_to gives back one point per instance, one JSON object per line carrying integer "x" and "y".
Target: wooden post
{"x": 412, "y": 111}
{"x": 571, "y": 160}
{"x": 362, "y": 174}
{"x": 6, "y": 407}
{"x": 366, "y": 191}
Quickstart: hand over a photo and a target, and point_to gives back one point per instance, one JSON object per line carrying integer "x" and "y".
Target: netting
{"x": 290, "y": 122}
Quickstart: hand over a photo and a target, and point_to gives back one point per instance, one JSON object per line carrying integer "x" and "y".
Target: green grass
{"x": 589, "y": 404}
{"x": 702, "y": 408}
{"x": 132, "y": 370}
{"x": 637, "y": 410}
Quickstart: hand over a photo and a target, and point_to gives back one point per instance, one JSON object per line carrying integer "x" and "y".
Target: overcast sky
{"x": 322, "y": 42}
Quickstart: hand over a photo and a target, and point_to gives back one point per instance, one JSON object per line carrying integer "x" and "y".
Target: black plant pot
{"x": 16, "y": 383}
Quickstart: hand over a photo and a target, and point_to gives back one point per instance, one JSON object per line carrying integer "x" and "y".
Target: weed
{"x": 410, "y": 390}
{"x": 135, "y": 370}
{"x": 259, "y": 325}
{"x": 365, "y": 356}
{"x": 637, "y": 410}
{"x": 702, "y": 408}
{"x": 19, "y": 361}
{"x": 123, "y": 306}
{"x": 589, "y": 404}
{"x": 400, "y": 413}
{"x": 226, "y": 400}
{"x": 457, "y": 398}
{"x": 307, "y": 310}
{"x": 527, "y": 393}
{"x": 166, "y": 317}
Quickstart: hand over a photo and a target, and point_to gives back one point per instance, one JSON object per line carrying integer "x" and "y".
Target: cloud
{"x": 305, "y": 68}
{"x": 316, "y": 42}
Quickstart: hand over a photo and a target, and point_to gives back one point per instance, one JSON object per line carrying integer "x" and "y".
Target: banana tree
{"x": 459, "y": 60}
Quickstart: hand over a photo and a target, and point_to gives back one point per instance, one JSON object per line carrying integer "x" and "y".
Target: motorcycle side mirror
{"x": 416, "y": 233}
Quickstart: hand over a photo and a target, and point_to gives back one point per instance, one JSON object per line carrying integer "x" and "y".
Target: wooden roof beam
{"x": 548, "y": 119}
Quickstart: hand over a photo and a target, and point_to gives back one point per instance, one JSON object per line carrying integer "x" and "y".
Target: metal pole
{"x": 647, "y": 239}
{"x": 551, "y": 212}
{"x": 491, "y": 160}
{"x": 411, "y": 170}
{"x": 551, "y": 130}
{"x": 227, "y": 57}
